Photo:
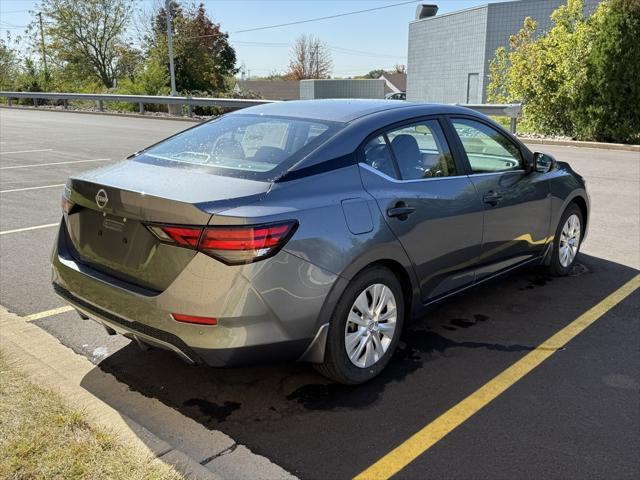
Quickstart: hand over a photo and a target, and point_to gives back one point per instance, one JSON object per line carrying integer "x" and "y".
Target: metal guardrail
{"x": 513, "y": 111}
{"x": 141, "y": 100}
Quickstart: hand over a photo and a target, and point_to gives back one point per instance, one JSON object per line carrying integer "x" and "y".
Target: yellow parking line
{"x": 48, "y": 313}
{"x": 431, "y": 434}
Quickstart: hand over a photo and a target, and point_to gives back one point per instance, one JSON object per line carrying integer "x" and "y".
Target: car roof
{"x": 343, "y": 110}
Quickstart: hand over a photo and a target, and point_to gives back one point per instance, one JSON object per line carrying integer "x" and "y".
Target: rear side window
{"x": 250, "y": 146}
{"x": 487, "y": 149}
{"x": 378, "y": 156}
{"x": 422, "y": 151}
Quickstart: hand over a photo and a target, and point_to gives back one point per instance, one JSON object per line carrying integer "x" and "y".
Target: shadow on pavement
{"x": 284, "y": 411}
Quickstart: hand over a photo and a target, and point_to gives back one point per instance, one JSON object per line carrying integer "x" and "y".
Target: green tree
{"x": 29, "y": 78}
{"x": 375, "y": 73}
{"x": 579, "y": 78}
{"x": 86, "y": 40}
{"x": 543, "y": 72}
{"x": 203, "y": 57}
{"x": 9, "y": 64}
{"x": 609, "y": 103}
{"x": 497, "y": 89}
{"x": 150, "y": 79}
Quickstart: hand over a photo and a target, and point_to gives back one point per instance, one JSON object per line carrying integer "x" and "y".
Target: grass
{"x": 41, "y": 437}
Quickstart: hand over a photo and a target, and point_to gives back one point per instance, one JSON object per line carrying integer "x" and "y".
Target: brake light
{"x": 233, "y": 245}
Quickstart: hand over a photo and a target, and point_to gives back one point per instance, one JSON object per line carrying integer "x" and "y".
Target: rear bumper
{"x": 267, "y": 311}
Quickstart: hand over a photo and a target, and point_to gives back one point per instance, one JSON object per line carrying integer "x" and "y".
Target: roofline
{"x": 448, "y": 14}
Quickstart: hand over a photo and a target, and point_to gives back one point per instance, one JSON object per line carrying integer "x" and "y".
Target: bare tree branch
{"x": 310, "y": 58}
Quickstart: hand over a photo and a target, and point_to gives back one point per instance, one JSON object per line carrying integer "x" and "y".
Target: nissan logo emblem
{"x": 101, "y": 198}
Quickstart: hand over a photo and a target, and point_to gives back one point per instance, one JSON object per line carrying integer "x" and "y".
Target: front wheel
{"x": 566, "y": 243}
{"x": 365, "y": 327}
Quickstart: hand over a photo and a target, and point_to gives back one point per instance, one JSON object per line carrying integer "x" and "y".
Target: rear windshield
{"x": 246, "y": 146}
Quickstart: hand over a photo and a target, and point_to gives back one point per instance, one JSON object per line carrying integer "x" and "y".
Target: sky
{"x": 359, "y": 43}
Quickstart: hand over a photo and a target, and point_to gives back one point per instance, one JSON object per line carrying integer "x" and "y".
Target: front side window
{"x": 250, "y": 146}
{"x": 421, "y": 151}
{"x": 487, "y": 149}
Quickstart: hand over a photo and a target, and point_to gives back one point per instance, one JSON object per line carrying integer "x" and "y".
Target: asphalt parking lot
{"x": 577, "y": 415}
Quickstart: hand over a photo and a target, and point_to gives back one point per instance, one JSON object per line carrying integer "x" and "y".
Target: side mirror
{"x": 543, "y": 162}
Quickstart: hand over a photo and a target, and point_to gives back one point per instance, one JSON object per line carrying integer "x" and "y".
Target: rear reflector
{"x": 193, "y": 319}
{"x": 232, "y": 245}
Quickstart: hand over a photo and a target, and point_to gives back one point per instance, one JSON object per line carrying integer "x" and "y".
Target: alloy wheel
{"x": 569, "y": 240}
{"x": 371, "y": 325}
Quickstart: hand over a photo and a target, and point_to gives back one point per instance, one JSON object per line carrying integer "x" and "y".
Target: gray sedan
{"x": 311, "y": 230}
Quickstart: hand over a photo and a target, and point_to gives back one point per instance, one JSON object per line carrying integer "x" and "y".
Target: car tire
{"x": 377, "y": 326}
{"x": 567, "y": 241}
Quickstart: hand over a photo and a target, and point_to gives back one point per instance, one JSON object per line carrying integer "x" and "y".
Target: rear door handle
{"x": 492, "y": 198}
{"x": 401, "y": 210}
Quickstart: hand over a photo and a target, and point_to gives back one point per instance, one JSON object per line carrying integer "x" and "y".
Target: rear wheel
{"x": 566, "y": 243}
{"x": 365, "y": 327}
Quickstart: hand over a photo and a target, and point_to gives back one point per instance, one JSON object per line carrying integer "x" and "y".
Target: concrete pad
{"x": 144, "y": 422}
{"x": 240, "y": 463}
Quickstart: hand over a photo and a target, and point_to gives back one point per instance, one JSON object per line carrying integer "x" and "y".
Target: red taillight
{"x": 251, "y": 238}
{"x": 183, "y": 236}
{"x": 65, "y": 203}
{"x": 193, "y": 319}
{"x": 245, "y": 244}
{"x": 232, "y": 245}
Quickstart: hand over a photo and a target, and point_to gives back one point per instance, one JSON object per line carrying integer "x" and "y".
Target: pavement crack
{"x": 226, "y": 451}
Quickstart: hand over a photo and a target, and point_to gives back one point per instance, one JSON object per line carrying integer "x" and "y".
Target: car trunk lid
{"x": 106, "y": 225}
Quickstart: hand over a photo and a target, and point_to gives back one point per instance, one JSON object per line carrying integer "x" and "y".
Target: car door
{"x": 517, "y": 202}
{"x": 431, "y": 207}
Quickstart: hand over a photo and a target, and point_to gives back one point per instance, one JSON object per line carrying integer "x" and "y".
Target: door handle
{"x": 401, "y": 211}
{"x": 492, "y": 198}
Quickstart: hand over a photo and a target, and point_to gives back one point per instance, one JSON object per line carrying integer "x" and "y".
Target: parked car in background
{"x": 309, "y": 230}
{"x": 396, "y": 96}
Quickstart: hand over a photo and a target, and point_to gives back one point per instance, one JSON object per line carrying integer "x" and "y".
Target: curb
{"x": 145, "y": 423}
{"x": 580, "y": 144}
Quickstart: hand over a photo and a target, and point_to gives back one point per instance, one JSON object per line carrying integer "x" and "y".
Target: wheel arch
{"x": 584, "y": 209}
{"x": 396, "y": 261}
{"x": 580, "y": 198}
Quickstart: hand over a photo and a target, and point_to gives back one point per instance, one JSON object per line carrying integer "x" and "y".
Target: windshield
{"x": 247, "y": 146}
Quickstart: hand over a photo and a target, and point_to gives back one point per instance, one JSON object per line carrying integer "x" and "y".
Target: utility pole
{"x": 167, "y": 10}
{"x": 44, "y": 53}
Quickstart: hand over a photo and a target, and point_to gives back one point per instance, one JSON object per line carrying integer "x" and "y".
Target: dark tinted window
{"x": 378, "y": 156}
{"x": 487, "y": 149}
{"x": 422, "y": 151}
{"x": 250, "y": 146}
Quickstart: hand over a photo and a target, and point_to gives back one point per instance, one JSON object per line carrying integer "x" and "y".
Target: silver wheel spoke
{"x": 352, "y": 340}
{"x": 387, "y": 329}
{"x": 383, "y": 301}
{"x": 362, "y": 304}
{"x": 355, "y": 318}
{"x": 388, "y": 315}
{"x": 368, "y": 353}
{"x": 357, "y": 352}
{"x": 379, "y": 349}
